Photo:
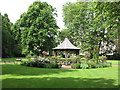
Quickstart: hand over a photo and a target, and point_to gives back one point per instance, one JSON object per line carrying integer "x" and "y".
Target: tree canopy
{"x": 36, "y": 29}
{"x": 94, "y": 24}
{"x": 9, "y": 47}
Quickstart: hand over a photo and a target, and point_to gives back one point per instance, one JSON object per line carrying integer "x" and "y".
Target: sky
{"x": 14, "y": 8}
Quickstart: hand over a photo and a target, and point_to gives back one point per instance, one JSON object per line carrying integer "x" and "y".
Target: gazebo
{"x": 66, "y": 46}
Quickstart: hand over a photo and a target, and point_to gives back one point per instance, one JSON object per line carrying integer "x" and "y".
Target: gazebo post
{"x": 66, "y": 56}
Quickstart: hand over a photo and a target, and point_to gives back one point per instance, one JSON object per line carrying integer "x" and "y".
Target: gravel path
{"x": 66, "y": 67}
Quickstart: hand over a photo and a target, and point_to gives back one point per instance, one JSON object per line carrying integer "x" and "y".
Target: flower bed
{"x": 41, "y": 64}
{"x": 89, "y": 65}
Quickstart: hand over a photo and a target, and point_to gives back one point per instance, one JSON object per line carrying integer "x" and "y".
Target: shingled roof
{"x": 66, "y": 44}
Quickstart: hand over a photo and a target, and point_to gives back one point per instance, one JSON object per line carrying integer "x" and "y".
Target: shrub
{"x": 83, "y": 58}
{"x": 75, "y": 59}
{"x": 102, "y": 57}
{"x": 33, "y": 64}
{"x": 35, "y": 56}
{"x": 64, "y": 59}
{"x": 52, "y": 65}
{"x": 75, "y": 66}
{"x": 29, "y": 57}
{"x": 99, "y": 65}
{"x": 46, "y": 61}
{"x": 87, "y": 54}
{"x": 54, "y": 58}
{"x": 84, "y": 65}
{"x": 107, "y": 64}
{"x": 48, "y": 65}
{"x": 91, "y": 64}
{"x": 40, "y": 64}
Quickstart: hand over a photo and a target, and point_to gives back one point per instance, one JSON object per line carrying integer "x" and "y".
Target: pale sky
{"x": 14, "y": 8}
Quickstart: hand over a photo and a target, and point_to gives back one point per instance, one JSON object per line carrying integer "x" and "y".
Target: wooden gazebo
{"x": 66, "y": 46}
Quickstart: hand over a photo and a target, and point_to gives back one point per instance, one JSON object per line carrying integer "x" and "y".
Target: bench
{"x": 18, "y": 60}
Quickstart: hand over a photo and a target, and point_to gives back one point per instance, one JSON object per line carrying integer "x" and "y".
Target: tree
{"x": 36, "y": 29}
{"x": 110, "y": 11}
{"x": 91, "y": 24}
{"x": 63, "y": 34}
{"x": 9, "y": 48}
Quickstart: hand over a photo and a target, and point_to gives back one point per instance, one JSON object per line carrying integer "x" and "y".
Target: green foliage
{"x": 9, "y": 45}
{"x": 63, "y": 34}
{"x": 88, "y": 64}
{"x": 64, "y": 59}
{"x": 92, "y": 25}
{"x": 53, "y": 59}
{"x": 76, "y": 66}
{"x": 29, "y": 57}
{"x": 52, "y": 65}
{"x": 102, "y": 57}
{"x": 40, "y": 64}
{"x": 84, "y": 65}
{"x": 35, "y": 56}
{"x": 75, "y": 58}
{"x": 36, "y": 29}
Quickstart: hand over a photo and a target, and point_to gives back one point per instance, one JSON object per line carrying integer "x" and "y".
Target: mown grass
{"x": 17, "y": 76}
{"x": 13, "y": 59}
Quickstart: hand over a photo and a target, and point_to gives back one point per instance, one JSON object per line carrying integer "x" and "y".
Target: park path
{"x": 66, "y": 67}
{"x": 115, "y": 65}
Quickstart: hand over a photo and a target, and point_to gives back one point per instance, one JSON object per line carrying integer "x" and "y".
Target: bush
{"x": 51, "y": 65}
{"x": 107, "y": 64}
{"x": 33, "y": 64}
{"x": 35, "y": 56}
{"x": 29, "y": 57}
{"x": 46, "y": 61}
{"x": 84, "y": 65}
{"x": 75, "y": 66}
{"x": 99, "y": 65}
{"x": 102, "y": 57}
{"x": 40, "y": 64}
{"x": 64, "y": 59}
{"x": 75, "y": 59}
{"x": 91, "y": 64}
{"x": 87, "y": 64}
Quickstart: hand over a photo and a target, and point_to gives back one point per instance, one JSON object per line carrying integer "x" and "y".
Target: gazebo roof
{"x": 66, "y": 44}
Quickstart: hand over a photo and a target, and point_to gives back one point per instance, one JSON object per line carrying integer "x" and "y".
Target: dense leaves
{"x": 94, "y": 24}
{"x": 63, "y": 34}
{"x": 36, "y": 28}
{"x": 9, "y": 47}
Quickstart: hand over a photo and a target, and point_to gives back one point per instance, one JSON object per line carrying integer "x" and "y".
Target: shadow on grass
{"x": 53, "y": 82}
{"x": 23, "y": 70}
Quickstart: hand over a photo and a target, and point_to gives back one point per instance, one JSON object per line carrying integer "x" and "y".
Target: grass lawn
{"x": 17, "y": 76}
{"x": 13, "y": 59}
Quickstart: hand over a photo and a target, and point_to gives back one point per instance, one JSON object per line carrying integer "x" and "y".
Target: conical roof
{"x": 66, "y": 44}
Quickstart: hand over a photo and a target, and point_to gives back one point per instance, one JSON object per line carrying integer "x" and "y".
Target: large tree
{"x": 64, "y": 33}
{"x": 9, "y": 48}
{"x": 93, "y": 24}
{"x": 36, "y": 29}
